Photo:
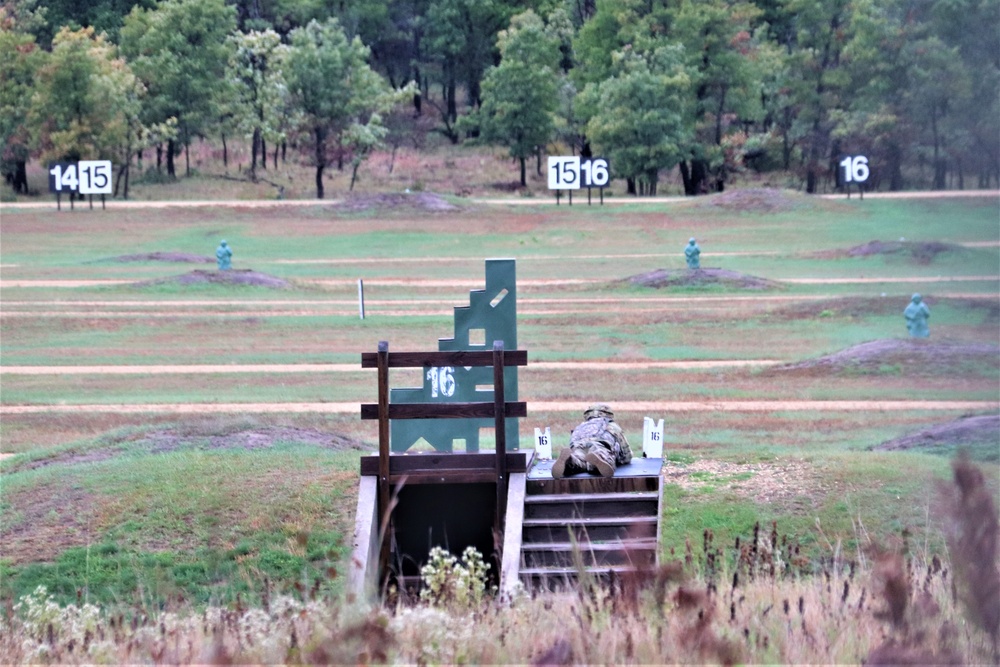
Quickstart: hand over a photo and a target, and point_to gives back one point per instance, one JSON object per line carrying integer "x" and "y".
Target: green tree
{"x": 258, "y": 77}
{"x": 719, "y": 49}
{"x": 639, "y": 116}
{"x": 180, "y": 51}
{"x": 460, "y": 41}
{"x": 820, "y": 82}
{"x": 86, "y": 101}
{"x": 20, "y": 58}
{"x": 341, "y": 98}
{"x": 519, "y": 95}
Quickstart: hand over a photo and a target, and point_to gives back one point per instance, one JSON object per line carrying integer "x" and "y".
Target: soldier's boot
{"x": 559, "y": 467}
{"x": 604, "y": 467}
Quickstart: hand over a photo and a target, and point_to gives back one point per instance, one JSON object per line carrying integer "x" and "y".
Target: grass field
{"x": 153, "y": 507}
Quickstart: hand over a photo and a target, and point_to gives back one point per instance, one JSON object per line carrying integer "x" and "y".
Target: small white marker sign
{"x": 543, "y": 443}
{"x": 652, "y": 438}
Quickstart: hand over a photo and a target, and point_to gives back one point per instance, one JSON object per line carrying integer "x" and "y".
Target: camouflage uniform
{"x": 597, "y": 445}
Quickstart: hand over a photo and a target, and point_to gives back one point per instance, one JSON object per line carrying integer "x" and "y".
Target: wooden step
{"x": 569, "y": 506}
{"x": 553, "y": 578}
{"x": 592, "y": 529}
{"x": 635, "y": 553}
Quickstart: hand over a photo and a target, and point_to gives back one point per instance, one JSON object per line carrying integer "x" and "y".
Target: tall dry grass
{"x": 747, "y": 603}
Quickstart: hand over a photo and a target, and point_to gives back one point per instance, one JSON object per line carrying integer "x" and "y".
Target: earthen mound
{"x": 421, "y": 201}
{"x": 758, "y": 200}
{"x": 176, "y": 257}
{"x": 661, "y": 278}
{"x": 201, "y": 435}
{"x": 244, "y": 277}
{"x": 974, "y": 432}
{"x": 901, "y": 356}
{"x": 921, "y": 252}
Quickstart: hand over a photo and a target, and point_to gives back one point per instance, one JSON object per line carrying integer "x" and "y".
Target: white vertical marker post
{"x": 361, "y": 297}
{"x": 652, "y": 438}
{"x": 543, "y": 443}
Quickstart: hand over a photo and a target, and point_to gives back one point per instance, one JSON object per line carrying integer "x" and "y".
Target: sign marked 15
{"x": 87, "y": 177}
{"x": 573, "y": 173}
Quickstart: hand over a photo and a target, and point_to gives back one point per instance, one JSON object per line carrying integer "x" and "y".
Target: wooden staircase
{"x": 588, "y": 523}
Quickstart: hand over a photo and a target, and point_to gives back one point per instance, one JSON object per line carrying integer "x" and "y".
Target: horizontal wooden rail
{"x": 445, "y": 464}
{"x": 453, "y": 358}
{"x": 444, "y": 410}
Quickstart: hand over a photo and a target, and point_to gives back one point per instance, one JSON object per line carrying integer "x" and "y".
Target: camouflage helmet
{"x": 599, "y": 410}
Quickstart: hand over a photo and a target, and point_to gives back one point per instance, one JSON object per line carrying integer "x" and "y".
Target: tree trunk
{"x": 276, "y": 148}
{"x": 939, "y": 162}
{"x": 263, "y": 153}
{"x": 354, "y": 175}
{"x": 20, "y": 180}
{"x": 320, "y": 159}
{"x": 159, "y": 158}
{"x": 225, "y": 152}
{"x": 187, "y": 159}
{"x": 171, "y": 147}
{"x": 630, "y": 186}
{"x": 254, "y": 143}
{"x": 524, "y": 180}
{"x": 694, "y": 177}
{"x": 452, "y": 107}
{"x": 895, "y": 167}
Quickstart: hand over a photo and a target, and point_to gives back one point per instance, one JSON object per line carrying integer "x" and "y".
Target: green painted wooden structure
{"x": 490, "y": 316}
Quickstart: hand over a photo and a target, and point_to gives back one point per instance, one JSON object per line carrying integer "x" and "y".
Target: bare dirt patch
{"x": 921, "y": 253}
{"x": 661, "y": 278}
{"x": 159, "y": 256}
{"x": 240, "y": 277}
{"x": 47, "y": 519}
{"x": 416, "y": 201}
{"x": 218, "y": 433}
{"x": 760, "y": 482}
{"x": 904, "y": 356}
{"x": 966, "y": 431}
{"x": 760, "y": 200}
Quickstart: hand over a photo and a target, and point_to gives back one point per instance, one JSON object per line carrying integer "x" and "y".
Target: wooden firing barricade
{"x": 439, "y": 468}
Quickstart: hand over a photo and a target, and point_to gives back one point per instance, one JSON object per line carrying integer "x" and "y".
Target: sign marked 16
{"x": 854, "y": 169}
{"x": 87, "y": 177}
{"x": 573, "y": 173}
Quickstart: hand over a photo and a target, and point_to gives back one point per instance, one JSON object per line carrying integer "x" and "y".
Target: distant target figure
{"x": 692, "y": 253}
{"x": 598, "y": 445}
{"x": 224, "y": 256}
{"x": 916, "y": 315}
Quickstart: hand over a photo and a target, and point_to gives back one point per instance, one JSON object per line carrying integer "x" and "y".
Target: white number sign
{"x": 855, "y": 169}
{"x": 564, "y": 173}
{"x": 88, "y": 177}
{"x": 442, "y": 381}
{"x": 95, "y": 177}
{"x": 573, "y": 173}
{"x": 594, "y": 172}
{"x": 543, "y": 443}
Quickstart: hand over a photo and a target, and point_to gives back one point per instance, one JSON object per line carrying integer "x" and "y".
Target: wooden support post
{"x": 501, "y": 433}
{"x": 383, "y": 454}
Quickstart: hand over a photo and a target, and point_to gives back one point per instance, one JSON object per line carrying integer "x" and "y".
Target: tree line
{"x": 706, "y": 86}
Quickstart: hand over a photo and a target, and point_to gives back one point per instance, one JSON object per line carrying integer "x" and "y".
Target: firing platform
{"x": 641, "y": 474}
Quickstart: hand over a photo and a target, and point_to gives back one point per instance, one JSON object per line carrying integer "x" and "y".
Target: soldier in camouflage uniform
{"x": 597, "y": 445}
